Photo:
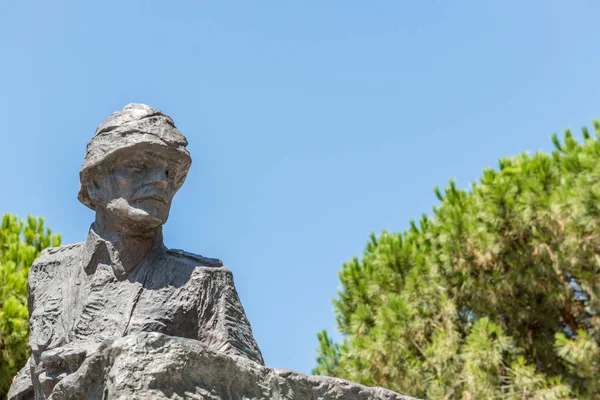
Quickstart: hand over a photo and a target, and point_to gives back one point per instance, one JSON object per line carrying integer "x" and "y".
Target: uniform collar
{"x": 96, "y": 250}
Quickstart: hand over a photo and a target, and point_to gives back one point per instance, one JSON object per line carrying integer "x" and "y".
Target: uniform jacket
{"x": 80, "y": 294}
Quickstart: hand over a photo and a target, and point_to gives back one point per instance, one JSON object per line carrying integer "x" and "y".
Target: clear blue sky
{"x": 310, "y": 123}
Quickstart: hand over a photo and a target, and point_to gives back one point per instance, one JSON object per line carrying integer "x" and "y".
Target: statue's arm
{"x": 22, "y": 384}
{"x": 21, "y": 387}
{"x": 222, "y": 321}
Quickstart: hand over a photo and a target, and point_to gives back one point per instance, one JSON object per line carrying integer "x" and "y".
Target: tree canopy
{"x": 494, "y": 296}
{"x": 20, "y": 244}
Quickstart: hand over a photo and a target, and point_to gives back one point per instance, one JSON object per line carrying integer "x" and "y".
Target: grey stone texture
{"x": 121, "y": 316}
{"x": 156, "y": 366}
{"x": 135, "y": 127}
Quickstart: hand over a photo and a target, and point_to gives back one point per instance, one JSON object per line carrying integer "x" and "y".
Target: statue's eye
{"x": 135, "y": 167}
{"x": 170, "y": 173}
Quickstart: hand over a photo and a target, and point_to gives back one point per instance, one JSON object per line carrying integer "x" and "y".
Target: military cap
{"x": 135, "y": 127}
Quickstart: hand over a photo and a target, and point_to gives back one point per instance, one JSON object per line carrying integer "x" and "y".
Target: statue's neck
{"x": 131, "y": 243}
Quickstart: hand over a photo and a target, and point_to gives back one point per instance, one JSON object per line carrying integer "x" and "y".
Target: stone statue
{"x": 122, "y": 279}
{"x": 120, "y": 316}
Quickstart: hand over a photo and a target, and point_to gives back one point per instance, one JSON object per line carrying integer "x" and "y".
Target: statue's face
{"x": 135, "y": 190}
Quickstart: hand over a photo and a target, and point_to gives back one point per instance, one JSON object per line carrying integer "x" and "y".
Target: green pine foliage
{"x": 496, "y": 296}
{"x": 20, "y": 244}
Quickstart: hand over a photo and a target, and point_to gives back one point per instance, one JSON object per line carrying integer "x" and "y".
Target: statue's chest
{"x": 99, "y": 307}
{"x": 167, "y": 310}
{"x": 112, "y": 308}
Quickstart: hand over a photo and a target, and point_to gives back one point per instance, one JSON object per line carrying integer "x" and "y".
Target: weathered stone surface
{"x": 135, "y": 128}
{"x": 156, "y": 366}
{"x": 90, "y": 303}
{"x": 123, "y": 280}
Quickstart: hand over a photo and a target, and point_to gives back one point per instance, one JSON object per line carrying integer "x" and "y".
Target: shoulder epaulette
{"x": 52, "y": 257}
{"x": 60, "y": 249}
{"x": 204, "y": 261}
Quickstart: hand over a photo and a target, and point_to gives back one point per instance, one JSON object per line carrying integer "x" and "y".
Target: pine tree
{"x": 497, "y": 295}
{"x": 20, "y": 244}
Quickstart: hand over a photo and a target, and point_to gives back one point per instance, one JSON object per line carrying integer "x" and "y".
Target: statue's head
{"x": 133, "y": 166}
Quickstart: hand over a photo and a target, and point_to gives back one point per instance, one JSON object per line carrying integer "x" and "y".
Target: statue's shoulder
{"x": 52, "y": 258}
{"x": 194, "y": 260}
{"x": 59, "y": 251}
{"x": 54, "y": 255}
{"x": 51, "y": 254}
{"x": 196, "y": 271}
